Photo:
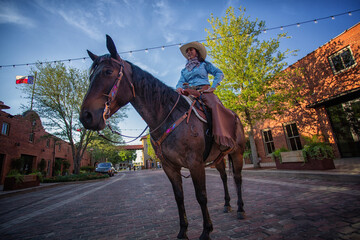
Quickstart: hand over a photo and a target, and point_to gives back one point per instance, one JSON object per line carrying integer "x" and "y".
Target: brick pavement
{"x": 141, "y": 205}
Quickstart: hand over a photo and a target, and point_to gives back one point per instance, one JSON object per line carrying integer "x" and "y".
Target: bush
{"x": 87, "y": 169}
{"x": 317, "y": 149}
{"x": 19, "y": 178}
{"x": 75, "y": 177}
{"x": 277, "y": 153}
{"x": 39, "y": 174}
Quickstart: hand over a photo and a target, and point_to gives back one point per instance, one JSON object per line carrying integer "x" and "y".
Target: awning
{"x": 337, "y": 99}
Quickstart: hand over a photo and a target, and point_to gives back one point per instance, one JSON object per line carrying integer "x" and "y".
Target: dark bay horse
{"x": 160, "y": 106}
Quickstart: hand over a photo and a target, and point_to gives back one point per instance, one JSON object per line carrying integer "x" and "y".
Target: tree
{"x": 255, "y": 85}
{"x": 104, "y": 150}
{"x": 58, "y": 94}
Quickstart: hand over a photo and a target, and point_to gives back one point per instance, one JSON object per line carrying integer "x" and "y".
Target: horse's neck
{"x": 153, "y": 115}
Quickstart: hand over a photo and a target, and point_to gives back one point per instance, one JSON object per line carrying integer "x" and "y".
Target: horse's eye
{"x": 109, "y": 72}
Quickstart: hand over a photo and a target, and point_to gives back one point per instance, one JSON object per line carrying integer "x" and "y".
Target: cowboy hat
{"x": 198, "y": 46}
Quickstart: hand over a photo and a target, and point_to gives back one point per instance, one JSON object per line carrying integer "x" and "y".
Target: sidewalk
{"x": 346, "y": 170}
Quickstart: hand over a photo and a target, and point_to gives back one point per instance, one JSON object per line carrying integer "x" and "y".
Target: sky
{"x": 52, "y": 30}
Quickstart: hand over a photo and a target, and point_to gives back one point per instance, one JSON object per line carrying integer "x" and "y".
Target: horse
{"x": 182, "y": 145}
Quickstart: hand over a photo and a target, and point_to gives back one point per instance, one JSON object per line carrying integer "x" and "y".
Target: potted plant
{"x": 14, "y": 180}
{"x": 318, "y": 154}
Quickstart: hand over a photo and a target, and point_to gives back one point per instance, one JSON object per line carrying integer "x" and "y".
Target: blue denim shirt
{"x": 199, "y": 75}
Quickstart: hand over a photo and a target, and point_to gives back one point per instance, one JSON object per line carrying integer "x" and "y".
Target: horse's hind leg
{"x": 198, "y": 178}
{"x": 237, "y": 163}
{"x": 176, "y": 182}
{"x": 221, "y": 168}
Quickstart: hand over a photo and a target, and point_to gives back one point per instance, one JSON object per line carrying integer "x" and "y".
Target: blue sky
{"x": 49, "y": 30}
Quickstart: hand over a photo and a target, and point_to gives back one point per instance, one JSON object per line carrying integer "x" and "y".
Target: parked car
{"x": 105, "y": 167}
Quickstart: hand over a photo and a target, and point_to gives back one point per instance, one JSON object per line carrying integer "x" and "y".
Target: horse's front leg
{"x": 198, "y": 178}
{"x": 221, "y": 169}
{"x": 176, "y": 182}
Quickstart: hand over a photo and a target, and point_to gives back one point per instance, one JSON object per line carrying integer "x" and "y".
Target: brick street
{"x": 141, "y": 205}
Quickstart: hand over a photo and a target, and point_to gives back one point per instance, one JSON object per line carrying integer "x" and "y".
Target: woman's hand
{"x": 209, "y": 90}
{"x": 180, "y": 91}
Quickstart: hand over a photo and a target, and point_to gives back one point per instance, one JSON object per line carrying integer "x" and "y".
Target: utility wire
{"x": 316, "y": 20}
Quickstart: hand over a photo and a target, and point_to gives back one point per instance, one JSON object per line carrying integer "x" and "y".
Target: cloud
{"x": 91, "y": 17}
{"x": 10, "y": 14}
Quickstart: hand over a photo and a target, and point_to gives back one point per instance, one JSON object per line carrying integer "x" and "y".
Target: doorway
{"x": 345, "y": 121}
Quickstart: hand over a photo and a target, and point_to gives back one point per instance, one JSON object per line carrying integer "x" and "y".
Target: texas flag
{"x": 25, "y": 79}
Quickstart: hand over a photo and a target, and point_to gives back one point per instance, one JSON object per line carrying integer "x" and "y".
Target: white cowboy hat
{"x": 198, "y": 46}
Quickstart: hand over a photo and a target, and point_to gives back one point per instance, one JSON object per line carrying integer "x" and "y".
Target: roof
{"x": 336, "y": 99}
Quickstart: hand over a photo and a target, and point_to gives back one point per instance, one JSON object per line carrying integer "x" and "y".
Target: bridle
{"x": 111, "y": 97}
{"x": 113, "y": 92}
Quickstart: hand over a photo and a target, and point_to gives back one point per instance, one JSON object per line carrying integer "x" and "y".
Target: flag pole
{"x": 33, "y": 90}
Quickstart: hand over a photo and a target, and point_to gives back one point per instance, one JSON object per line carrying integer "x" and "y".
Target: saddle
{"x": 193, "y": 97}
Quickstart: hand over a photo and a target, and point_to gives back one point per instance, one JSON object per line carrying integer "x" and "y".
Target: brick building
{"x": 23, "y": 137}
{"x": 330, "y": 105}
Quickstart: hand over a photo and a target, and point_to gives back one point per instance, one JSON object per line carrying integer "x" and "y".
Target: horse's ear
{"x": 111, "y": 47}
{"x": 92, "y": 56}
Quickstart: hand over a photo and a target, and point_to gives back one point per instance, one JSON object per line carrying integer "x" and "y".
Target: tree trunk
{"x": 254, "y": 153}
{"x": 253, "y": 149}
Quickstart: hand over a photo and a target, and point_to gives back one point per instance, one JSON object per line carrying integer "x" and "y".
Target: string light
{"x": 180, "y": 44}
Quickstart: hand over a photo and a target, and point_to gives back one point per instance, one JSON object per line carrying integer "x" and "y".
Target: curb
{"x": 327, "y": 176}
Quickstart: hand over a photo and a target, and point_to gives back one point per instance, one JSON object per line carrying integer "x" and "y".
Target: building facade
{"x": 24, "y": 138}
{"x": 329, "y": 105}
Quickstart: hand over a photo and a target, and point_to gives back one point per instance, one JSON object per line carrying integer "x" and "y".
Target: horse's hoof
{"x": 227, "y": 209}
{"x": 241, "y": 215}
{"x": 182, "y": 235}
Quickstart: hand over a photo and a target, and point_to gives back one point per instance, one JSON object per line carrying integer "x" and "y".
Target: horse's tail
{"x": 231, "y": 165}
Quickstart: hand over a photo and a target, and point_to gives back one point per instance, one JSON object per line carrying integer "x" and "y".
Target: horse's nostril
{"x": 87, "y": 117}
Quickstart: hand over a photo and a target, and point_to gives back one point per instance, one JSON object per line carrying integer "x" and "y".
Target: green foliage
{"x": 75, "y": 177}
{"x": 254, "y": 85}
{"x": 42, "y": 165}
{"x": 57, "y": 166}
{"x": 127, "y": 155}
{"x": 277, "y": 153}
{"x": 317, "y": 149}
{"x": 150, "y": 149}
{"x": 39, "y": 174}
{"x": 88, "y": 169}
{"x": 247, "y": 154}
{"x": 19, "y": 178}
{"x": 58, "y": 95}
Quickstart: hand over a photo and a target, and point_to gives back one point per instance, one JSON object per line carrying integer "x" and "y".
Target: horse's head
{"x": 108, "y": 74}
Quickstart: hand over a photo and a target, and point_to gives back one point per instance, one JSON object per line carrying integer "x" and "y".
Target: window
{"x": 59, "y": 147}
{"x": 48, "y": 142}
{"x": 31, "y": 137}
{"x": 268, "y": 141}
{"x": 342, "y": 60}
{"x": 292, "y": 137}
{"x": 5, "y": 129}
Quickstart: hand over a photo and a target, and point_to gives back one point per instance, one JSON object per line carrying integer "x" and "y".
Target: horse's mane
{"x": 155, "y": 92}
